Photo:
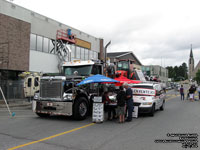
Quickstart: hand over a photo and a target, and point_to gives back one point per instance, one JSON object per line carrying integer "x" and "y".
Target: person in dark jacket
{"x": 121, "y": 96}
{"x": 182, "y": 92}
{"x": 129, "y": 101}
{"x": 108, "y": 108}
{"x": 191, "y": 92}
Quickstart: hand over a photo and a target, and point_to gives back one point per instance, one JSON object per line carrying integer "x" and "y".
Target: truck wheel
{"x": 43, "y": 115}
{"x": 163, "y": 106}
{"x": 152, "y": 110}
{"x": 80, "y": 108}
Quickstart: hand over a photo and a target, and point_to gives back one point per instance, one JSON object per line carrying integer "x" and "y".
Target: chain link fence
{"x": 12, "y": 89}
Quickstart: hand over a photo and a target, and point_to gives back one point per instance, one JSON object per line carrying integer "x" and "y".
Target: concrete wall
{"x": 193, "y": 74}
{"x": 44, "y": 26}
{"x": 159, "y": 71}
{"x": 39, "y": 64}
{"x": 14, "y": 43}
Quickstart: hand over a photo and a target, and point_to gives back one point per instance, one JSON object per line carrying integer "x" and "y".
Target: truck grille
{"x": 51, "y": 89}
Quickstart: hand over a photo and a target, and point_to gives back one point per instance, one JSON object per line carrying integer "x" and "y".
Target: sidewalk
{"x": 15, "y": 103}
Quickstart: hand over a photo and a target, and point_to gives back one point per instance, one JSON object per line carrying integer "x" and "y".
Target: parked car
{"x": 149, "y": 97}
{"x": 169, "y": 88}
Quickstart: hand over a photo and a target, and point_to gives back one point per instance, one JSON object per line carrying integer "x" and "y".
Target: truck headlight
{"x": 36, "y": 96}
{"x": 147, "y": 103}
{"x": 68, "y": 96}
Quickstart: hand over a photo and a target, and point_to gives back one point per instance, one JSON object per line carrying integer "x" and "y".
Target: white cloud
{"x": 152, "y": 29}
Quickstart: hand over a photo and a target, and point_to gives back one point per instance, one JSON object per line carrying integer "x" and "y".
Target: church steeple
{"x": 191, "y": 53}
{"x": 191, "y": 64}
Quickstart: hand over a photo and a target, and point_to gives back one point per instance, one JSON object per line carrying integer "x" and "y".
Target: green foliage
{"x": 178, "y": 73}
{"x": 197, "y": 78}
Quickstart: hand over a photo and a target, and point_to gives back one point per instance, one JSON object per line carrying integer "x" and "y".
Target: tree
{"x": 178, "y": 72}
{"x": 171, "y": 73}
{"x": 197, "y": 78}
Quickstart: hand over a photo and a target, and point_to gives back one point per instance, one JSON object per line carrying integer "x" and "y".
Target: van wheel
{"x": 80, "y": 108}
{"x": 43, "y": 115}
{"x": 152, "y": 110}
{"x": 163, "y": 106}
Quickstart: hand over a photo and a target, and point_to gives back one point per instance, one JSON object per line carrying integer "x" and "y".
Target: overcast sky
{"x": 159, "y": 32}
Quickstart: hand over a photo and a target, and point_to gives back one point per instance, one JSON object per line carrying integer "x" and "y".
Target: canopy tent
{"x": 123, "y": 79}
{"x": 97, "y": 79}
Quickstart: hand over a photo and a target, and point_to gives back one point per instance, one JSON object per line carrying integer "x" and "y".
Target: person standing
{"x": 121, "y": 96}
{"x": 108, "y": 107}
{"x": 198, "y": 89}
{"x": 191, "y": 93}
{"x": 182, "y": 92}
{"x": 129, "y": 101}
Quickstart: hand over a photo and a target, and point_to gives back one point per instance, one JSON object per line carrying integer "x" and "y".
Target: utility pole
{"x": 106, "y": 56}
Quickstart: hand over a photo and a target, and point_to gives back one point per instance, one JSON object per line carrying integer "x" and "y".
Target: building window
{"x": 29, "y": 82}
{"x": 46, "y": 45}
{"x": 39, "y": 43}
{"x": 36, "y": 82}
{"x": 82, "y": 54}
{"x": 51, "y": 47}
{"x": 90, "y": 54}
{"x": 72, "y": 51}
{"x": 86, "y": 54}
{"x": 95, "y": 55}
{"x": 78, "y": 52}
{"x": 33, "y": 42}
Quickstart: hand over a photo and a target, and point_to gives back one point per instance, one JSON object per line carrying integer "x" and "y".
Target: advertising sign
{"x": 143, "y": 91}
{"x": 98, "y": 112}
{"x": 83, "y": 43}
{"x": 97, "y": 99}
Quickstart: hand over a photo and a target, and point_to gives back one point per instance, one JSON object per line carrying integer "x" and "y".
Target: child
{"x": 121, "y": 104}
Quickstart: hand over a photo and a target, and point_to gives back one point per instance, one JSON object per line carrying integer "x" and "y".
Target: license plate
{"x": 49, "y": 104}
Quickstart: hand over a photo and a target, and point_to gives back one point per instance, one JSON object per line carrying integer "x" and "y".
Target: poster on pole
{"x": 98, "y": 112}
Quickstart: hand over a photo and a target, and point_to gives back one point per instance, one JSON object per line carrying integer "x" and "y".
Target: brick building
{"x": 28, "y": 41}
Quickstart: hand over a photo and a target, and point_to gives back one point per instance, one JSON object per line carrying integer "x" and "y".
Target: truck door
{"x": 28, "y": 87}
{"x": 36, "y": 84}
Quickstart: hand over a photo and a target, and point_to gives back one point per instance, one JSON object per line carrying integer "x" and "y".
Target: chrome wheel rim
{"x": 82, "y": 109}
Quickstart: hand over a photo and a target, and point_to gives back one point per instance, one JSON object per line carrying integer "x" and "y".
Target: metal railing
{"x": 12, "y": 89}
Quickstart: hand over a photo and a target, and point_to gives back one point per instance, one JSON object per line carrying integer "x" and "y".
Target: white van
{"x": 148, "y": 97}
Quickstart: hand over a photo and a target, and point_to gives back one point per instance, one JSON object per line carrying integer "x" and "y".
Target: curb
{"x": 16, "y": 105}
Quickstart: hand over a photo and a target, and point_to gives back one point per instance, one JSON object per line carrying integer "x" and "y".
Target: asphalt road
{"x": 30, "y": 132}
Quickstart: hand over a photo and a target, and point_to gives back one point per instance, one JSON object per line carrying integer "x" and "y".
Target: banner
{"x": 142, "y": 91}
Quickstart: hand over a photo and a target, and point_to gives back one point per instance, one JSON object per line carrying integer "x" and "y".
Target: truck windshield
{"x": 123, "y": 65}
{"x": 81, "y": 70}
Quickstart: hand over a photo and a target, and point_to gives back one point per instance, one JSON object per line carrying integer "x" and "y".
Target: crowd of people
{"x": 124, "y": 104}
{"x": 190, "y": 93}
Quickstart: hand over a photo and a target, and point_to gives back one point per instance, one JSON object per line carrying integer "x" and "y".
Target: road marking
{"x": 171, "y": 98}
{"x": 50, "y": 137}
